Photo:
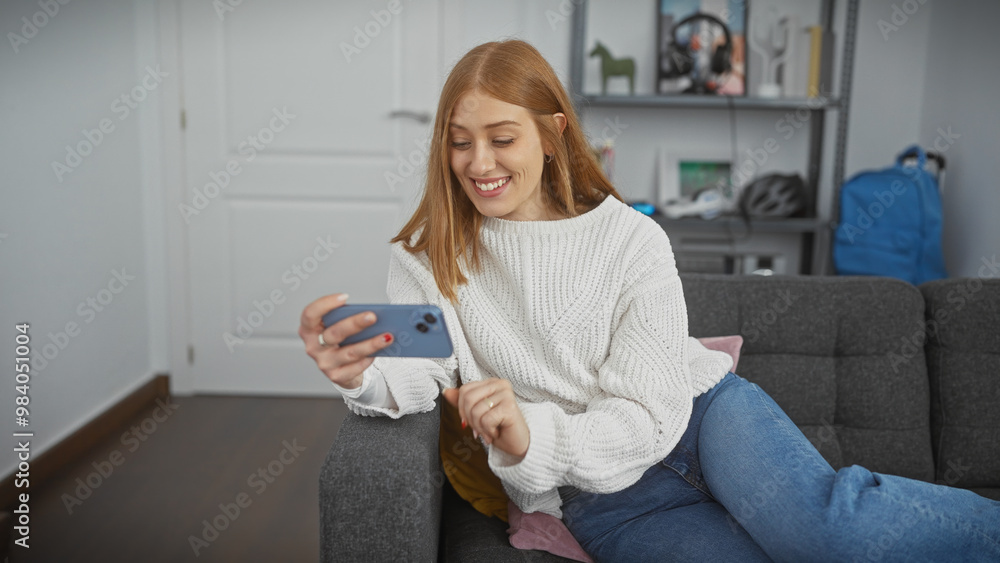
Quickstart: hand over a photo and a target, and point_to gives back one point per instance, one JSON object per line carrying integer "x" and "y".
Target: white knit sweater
{"x": 586, "y": 318}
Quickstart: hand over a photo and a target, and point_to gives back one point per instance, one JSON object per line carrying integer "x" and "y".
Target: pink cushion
{"x": 537, "y": 530}
{"x": 728, "y": 344}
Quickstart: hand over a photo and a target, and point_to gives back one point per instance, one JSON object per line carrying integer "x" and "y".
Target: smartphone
{"x": 418, "y": 331}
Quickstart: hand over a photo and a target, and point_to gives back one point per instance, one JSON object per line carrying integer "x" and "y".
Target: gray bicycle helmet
{"x": 775, "y": 195}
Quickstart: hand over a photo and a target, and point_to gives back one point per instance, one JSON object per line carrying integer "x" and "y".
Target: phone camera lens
{"x": 422, "y": 327}
{"x": 430, "y": 318}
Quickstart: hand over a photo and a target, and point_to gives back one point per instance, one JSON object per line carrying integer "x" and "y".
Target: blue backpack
{"x": 890, "y": 222}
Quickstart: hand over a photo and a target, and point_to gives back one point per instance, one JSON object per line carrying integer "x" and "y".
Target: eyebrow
{"x": 491, "y": 125}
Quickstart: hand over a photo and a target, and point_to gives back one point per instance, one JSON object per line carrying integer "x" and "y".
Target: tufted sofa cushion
{"x": 963, "y": 362}
{"x": 847, "y": 365}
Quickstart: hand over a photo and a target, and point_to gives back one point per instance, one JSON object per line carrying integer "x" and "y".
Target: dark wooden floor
{"x": 206, "y": 453}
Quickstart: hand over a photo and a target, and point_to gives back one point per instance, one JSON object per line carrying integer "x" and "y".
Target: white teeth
{"x": 492, "y": 185}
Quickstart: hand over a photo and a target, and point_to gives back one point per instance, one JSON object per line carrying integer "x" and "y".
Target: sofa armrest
{"x": 380, "y": 490}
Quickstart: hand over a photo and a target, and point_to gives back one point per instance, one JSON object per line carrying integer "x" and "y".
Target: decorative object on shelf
{"x": 708, "y": 203}
{"x": 794, "y": 70}
{"x": 611, "y": 66}
{"x": 763, "y": 265}
{"x": 770, "y": 40}
{"x": 775, "y": 195}
{"x": 769, "y": 23}
{"x": 643, "y": 207}
{"x": 684, "y": 173}
{"x": 701, "y": 50}
{"x": 821, "y": 41}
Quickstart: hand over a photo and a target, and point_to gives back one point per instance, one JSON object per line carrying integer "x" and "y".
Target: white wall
{"x": 65, "y": 240}
{"x": 888, "y": 93}
{"x": 960, "y": 114}
{"x": 541, "y": 22}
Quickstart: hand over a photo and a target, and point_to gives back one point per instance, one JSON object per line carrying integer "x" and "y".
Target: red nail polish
{"x": 387, "y": 337}
{"x": 464, "y": 424}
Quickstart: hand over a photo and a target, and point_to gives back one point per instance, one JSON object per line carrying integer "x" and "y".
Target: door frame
{"x": 172, "y": 152}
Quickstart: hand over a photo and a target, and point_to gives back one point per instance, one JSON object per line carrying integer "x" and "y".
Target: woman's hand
{"x": 490, "y": 407}
{"x": 341, "y": 365}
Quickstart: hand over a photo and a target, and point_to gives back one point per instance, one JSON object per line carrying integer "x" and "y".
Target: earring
{"x": 549, "y": 157}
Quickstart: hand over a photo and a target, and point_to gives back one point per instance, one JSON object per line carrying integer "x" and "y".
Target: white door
{"x": 297, "y": 173}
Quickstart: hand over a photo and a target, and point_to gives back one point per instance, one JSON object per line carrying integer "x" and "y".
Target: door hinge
{"x": 183, "y": 119}
{"x": 191, "y": 355}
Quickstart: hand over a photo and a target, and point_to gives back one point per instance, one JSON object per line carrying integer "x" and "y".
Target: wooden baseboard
{"x": 47, "y": 464}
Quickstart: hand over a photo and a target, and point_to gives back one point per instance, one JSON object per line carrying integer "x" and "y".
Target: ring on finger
{"x": 321, "y": 341}
{"x": 491, "y": 403}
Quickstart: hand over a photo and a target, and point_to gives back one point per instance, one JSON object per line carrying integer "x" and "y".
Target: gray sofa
{"x": 876, "y": 372}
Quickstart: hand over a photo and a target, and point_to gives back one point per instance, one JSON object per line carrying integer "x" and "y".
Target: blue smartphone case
{"x": 418, "y": 331}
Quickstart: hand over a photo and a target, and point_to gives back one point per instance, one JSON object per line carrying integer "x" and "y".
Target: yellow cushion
{"x": 463, "y": 458}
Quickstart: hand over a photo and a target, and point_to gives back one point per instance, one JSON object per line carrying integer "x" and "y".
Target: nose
{"x": 482, "y": 159}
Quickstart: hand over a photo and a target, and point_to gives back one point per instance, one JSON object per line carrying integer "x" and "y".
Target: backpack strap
{"x": 913, "y": 150}
{"x": 937, "y": 157}
{"x": 922, "y": 158}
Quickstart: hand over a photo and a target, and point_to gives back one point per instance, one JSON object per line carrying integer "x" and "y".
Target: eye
{"x": 462, "y": 145}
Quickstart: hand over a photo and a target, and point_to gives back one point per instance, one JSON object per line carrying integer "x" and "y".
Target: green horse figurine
{"x": 611, "y": 66}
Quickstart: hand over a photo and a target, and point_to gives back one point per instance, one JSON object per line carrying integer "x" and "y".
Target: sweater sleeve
{"x": 413, "y": 383}
{"x": 372, "y": 391}
{"x": 645, "y": 397}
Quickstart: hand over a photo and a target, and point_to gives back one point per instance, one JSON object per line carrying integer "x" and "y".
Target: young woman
{"x": 575, "y": 364}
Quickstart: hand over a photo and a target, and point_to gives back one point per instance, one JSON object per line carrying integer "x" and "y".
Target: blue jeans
{"x": 744, "y": 484}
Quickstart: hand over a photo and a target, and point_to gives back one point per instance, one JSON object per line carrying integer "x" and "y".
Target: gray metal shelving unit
{"x": 816, "y": 231}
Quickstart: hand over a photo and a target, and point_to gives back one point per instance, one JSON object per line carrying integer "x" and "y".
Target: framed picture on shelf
{"x": 683, "y": 173}
{"x": 701, "y": 47}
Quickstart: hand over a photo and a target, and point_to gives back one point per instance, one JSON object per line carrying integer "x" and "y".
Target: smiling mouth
{"x": 490, "y": 186}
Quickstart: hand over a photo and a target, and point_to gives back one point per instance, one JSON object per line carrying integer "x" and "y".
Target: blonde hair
{"x": 572, "y": 183}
